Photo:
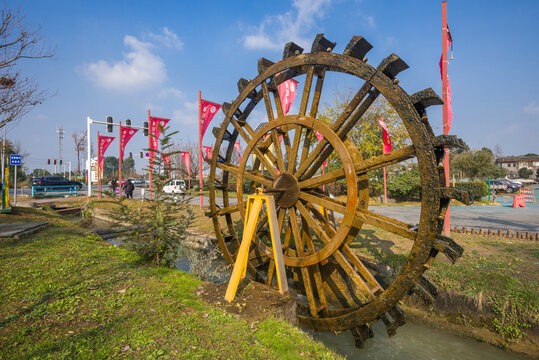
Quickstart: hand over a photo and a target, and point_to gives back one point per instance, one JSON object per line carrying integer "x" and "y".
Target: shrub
{"x": 406, "y": 185}
{"x": 157, "y": 231}
{"x": 478, "y": 188}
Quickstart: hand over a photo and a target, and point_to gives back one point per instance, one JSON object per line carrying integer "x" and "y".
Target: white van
{"x": 175, "y": 187}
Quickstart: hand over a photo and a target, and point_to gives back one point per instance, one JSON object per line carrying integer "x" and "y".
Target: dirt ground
{"x": 253, "y": 302}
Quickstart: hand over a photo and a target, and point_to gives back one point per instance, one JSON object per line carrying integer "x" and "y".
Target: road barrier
{"x": 54, "y": 190}
{"x": 528, "y": 194}
{"x": 519, "y": 201}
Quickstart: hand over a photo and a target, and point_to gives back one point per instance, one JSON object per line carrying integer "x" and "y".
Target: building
{"x": 513, "y": 163}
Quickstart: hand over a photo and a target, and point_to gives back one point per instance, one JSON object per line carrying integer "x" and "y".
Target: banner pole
{"x": 98, "y": 167}
{"x": 447, "y": 225}
{"x": 200, "y": 148}
{"x": 120, "y": 163}
{"x": 150, "y": 157}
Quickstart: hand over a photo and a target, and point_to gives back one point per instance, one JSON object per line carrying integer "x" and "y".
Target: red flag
{"x": 208, "y": 151}
{"x": 237, "y": 147}
{"x": 387, "y": 139}
{"x": 208, "y": 110}
{"x": 155, "y": 131}
{"x": 319, "y": 136}
{"x": 448, "y": 90}
{"x": 287, "y": 93}
{"x": 125, "y": 135}
{"x": 103, "y": 143}
{"x": 186, "y": 155}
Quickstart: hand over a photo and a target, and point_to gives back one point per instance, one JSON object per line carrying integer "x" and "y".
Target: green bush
{"x": 406, "y": 185}
{"x": 478, "y": 188}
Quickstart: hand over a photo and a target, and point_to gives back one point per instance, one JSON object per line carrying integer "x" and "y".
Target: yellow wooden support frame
{"x": 254, "y": 206}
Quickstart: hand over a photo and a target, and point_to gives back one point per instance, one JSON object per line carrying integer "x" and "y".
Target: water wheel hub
{"x": 286, "y": 189}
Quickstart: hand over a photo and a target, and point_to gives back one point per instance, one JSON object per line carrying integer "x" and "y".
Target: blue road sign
{"x": 14, "y": 159}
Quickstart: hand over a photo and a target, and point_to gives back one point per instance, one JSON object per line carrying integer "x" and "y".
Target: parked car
{"x": 497, "y": 186}
{"x": 138, "y": 182}
{"x": 175, "y": 187}
{"x": 511, "y": 187}
{"x": 43, "y": 182}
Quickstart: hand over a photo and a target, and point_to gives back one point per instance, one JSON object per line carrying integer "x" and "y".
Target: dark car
{"x": 54, "y": 181}
{"x": 511, "y": 187}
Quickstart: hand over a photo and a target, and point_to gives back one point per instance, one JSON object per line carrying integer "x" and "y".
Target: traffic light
{"x": 128, "y": 122}
{"x": 141, "y": 156}
{"x": 49, "y": 161}
{"x": 109, "y": 124}
{"x": 60, "y": 161}
{"x": 145, "y": 126}
{"x": 54, "y": 161}
{"x": 130, "y": 155}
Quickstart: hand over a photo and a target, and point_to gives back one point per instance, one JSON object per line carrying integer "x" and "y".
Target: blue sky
{"x": 122, "y": 58}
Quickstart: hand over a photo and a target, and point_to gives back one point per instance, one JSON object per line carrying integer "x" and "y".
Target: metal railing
{"x": 54, "y": 190}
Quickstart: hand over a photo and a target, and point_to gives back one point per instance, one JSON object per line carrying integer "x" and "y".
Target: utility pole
{"x": 60, "y": 132}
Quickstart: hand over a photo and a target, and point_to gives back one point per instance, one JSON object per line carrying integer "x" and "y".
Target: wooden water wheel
{"x": 334, "y": 287}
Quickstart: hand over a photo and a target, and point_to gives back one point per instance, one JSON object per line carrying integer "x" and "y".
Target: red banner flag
{"x": 237, "y": 147}
{"x": 125, "y": 135}
{"x": 387, "y": 139}
{"x": 103, "y": 143}
{"x": 447, "y": 126}
{"x": 186, "y": 156}
{"x": 208, "y": 110}
{"x": 208, "y": 151}
{"x": 155, "y": 126}
{"x": 287, "y": 93}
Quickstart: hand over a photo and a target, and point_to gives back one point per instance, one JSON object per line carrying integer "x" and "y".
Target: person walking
{"x": 129, "y": 187}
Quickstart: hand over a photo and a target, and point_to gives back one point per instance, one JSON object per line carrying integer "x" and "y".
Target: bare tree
{"x": 497, "y": 151}
{"x": 179, "y": 165}
{"x": 79, "y": 138}
{"x": 18, "y": 41}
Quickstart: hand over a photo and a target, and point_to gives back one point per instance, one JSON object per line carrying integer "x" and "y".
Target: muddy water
{"x": 415, "y": 342}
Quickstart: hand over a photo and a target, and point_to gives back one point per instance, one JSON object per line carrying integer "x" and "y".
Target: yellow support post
{"x": 254, "y": 206}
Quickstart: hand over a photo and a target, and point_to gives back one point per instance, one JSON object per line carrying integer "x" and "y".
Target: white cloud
{"x": 168, "y": 38}
{"x": 139, "y": 68}
{"x": 371, "y": 22}
{"x": 165, "y": 93}
{"x": 294, "y": 25}
{"x": 532, "y": 108}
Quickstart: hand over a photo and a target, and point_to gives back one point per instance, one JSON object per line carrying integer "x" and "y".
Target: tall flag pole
{"x": 200, "y": 146}
{"x": 446, "y": 100}
{"x": 126, "y": 133}
{"x": 150, "y": 157}
{"x": 98, "y": 169}
{"x": 155, "y": 126}
{"x": 120, "y": 163}
{"x": 206, "y": 112}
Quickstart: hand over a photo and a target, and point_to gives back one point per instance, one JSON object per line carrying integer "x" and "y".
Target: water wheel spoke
{"x": 278, "y": 151}
{"x": 292, "y": 156}
{"x": 383, "y": 222}
{"x": 387, "y": 223}
{"x": 324, "y": 234}
{"x": 306, "y": 91}
{"x": 228, "y": 210}
{"x": 268, "y": 159}
{"x": 309, "y": 291}
{"x": 296, "y": 232}
{"x": 342, "y": 132}
{"x": 317, "y": 93}
{"x": 371, "y": 164}
{"x": 267, "y": 102}
{"x": 271, "y": 272}
{"x": 254, "y": 176}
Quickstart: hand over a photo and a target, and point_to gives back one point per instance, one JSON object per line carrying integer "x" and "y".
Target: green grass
{"x": 67, "y": 295}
